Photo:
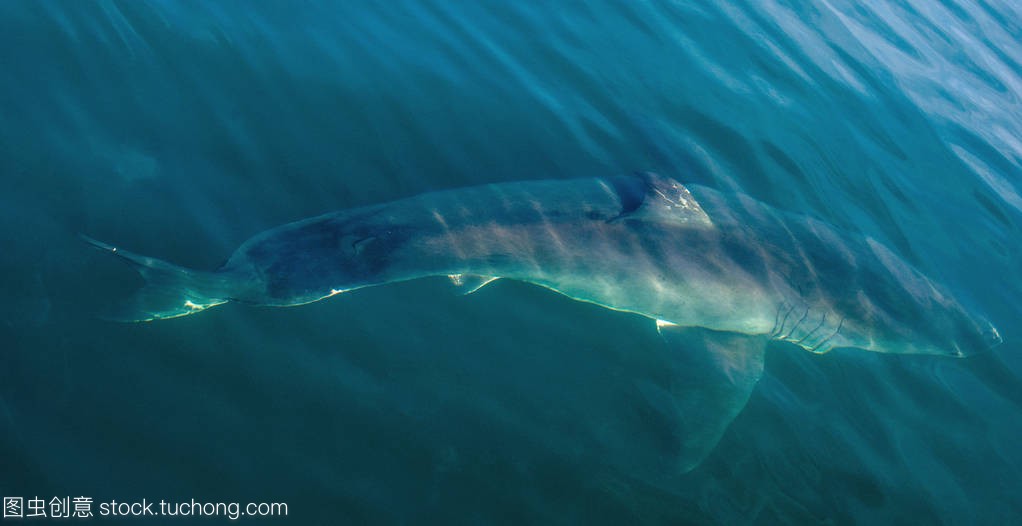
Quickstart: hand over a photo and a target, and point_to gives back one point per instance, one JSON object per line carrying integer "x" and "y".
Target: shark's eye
{"x": 354, "y": 244}
{"x": 360, "y": 244}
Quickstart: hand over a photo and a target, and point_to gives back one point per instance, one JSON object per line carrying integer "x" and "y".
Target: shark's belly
{"x": 664, "y": 273}
{"x": 682, "y": 298}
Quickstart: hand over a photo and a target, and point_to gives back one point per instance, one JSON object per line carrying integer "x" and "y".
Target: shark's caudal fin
{"x": 713, "y": 374}
{"x": 170, "y": 291}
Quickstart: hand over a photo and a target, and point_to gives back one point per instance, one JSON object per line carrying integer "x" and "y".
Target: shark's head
{"x": 950, "y": 330}
{"x": 907, "y": 313}
{"x": 937, "y": 327}
{"x": 978, "y": 334}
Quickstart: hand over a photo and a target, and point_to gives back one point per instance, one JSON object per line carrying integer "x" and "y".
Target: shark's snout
{"x": 991, "y": 335}
{"x": 986, "y": 337}
{"x": 972, "y": 335}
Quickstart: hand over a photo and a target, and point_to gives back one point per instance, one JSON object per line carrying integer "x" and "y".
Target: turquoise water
{"x": 181, "y": 129}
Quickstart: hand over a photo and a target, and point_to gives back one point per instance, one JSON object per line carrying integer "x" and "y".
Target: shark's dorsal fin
{"x": 666, "y": 200}
{"x": 712, "y": 376}
{"x": 470, "y": 283}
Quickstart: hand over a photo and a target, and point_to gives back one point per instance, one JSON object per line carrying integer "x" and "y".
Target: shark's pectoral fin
{"x": 712, "y": 375}
{"x": 470, "y": 283}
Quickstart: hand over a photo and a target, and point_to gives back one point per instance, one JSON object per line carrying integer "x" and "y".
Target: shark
{"x": 720, "y": 276}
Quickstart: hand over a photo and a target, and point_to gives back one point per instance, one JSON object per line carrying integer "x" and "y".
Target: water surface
{"x": 181, "y": 129}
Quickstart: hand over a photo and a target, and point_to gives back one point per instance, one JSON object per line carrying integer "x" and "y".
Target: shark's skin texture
{"x": 643, "y": 244}
{"x": 721, "y": 275}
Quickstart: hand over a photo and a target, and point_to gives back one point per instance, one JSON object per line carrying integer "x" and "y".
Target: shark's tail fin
{"x": 170, "y": 291}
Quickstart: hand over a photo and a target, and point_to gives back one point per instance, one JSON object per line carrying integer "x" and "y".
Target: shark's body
{"x": 721, "y": 274}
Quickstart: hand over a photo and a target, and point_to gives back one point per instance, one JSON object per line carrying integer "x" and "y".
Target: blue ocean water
{"x": 180, "y": 129}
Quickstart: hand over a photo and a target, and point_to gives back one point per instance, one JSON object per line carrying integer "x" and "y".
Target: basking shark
{"x": 718, "y": 275}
